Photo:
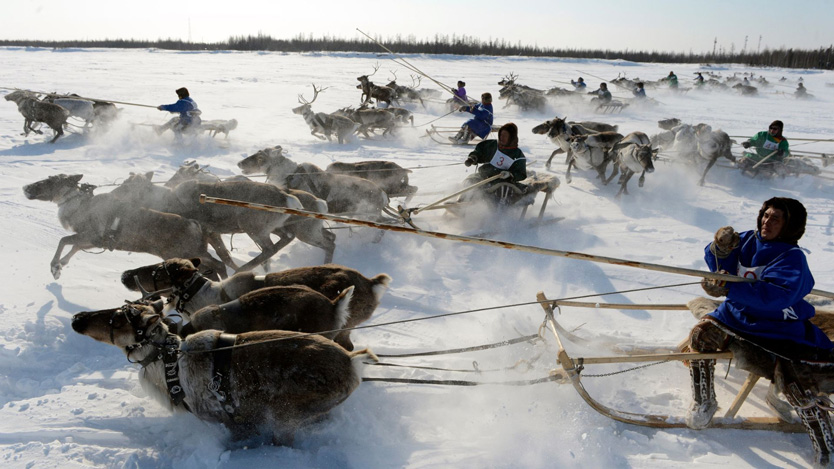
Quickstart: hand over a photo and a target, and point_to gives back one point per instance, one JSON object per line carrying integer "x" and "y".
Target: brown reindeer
{"x": 33, "y": 110}
{"x": 257, "y": 384}
{"x": 330, "y": 280}
{"x": 106, "y": 221}
{"x": 382, "y": 94}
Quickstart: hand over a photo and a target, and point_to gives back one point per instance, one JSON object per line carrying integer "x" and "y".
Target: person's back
{"x": 186, "y": 107}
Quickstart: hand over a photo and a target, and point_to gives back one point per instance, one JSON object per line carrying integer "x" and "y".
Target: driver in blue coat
{"x": 480, "y": 124}
{"x": 765, "y": 323}
{"x": 189, "y": 114}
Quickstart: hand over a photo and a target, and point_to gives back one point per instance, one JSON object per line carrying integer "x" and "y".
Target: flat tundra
{"x": 258, "y": 385}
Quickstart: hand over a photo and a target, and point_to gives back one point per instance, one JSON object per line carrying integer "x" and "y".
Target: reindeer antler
{"x": 316, "y": 92}
{"x": 415, "y": 81}
{"x": 393, "y": 72}
{"x": 376, "y": 68}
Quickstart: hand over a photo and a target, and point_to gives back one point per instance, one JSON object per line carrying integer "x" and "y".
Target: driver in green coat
{"x": 496, "y": 156}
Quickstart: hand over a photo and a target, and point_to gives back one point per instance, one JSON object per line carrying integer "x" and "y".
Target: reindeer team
{"x": 316, "y": 369}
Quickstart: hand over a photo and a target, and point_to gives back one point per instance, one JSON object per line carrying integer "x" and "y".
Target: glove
{"x": 469, "y": 162}
{"x": 462, "y": 108}
{"x": 726, "y": 239}
{"x": 745, "y": 144}
{"x": 780, "y": 153}
{"x": 714, "y": 288}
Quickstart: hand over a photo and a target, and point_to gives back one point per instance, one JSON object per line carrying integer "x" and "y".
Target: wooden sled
{"x": 506, "y": 194}
{"x": 441, "y": 135}
{"x": 571, "y": 370}
{"x": 612, "y": 107}
{"x": 214, "y": 127}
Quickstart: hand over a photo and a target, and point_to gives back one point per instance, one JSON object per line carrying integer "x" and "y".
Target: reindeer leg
{"x": 58, "y": 132}
{"x": 624, "y": 186}
{"x": 77, "y": 242}
{"x": 642, "y": 179}
{"x": 555, "y": 152}
{"x": 613, "y": 173}
{"x": 704, "y": 176}
{"x": 567, "y": 174}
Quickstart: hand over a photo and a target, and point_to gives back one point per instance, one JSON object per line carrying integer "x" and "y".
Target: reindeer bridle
{"x": 133, "y": 317}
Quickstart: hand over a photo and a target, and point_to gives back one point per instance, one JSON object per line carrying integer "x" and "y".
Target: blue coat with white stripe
{"x": 772, "y": 307}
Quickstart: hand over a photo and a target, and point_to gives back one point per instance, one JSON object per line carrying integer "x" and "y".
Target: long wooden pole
{"x": 501, "y": 175}
{"x": 489, "y": 242}
{"x": 81, "y": 97}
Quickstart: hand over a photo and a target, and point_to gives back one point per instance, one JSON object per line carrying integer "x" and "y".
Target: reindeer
{"x": 405, "y": 92}
{"x": 184, "y": 200}
{"x": 713, "y": 144}
{"x": 173, "y": 277}
{"x": 633, "y": 153}
{"x": 370, "y": 119}
{"x": 559, "y": 132}
{"x": 382, "y": 94}
{"x": 524, "y": 96}
{"x": 105, "y": 221}
{"x": 389, "y": 176}
{"x": 276, "y": 384}
{"x": 592, "y": 151}
{"x": 343, "y": 193}
{"x": 321, "y": 123}
{"x": 33, "y": 110}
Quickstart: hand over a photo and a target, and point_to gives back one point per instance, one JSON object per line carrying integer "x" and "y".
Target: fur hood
{"x": 795, "y": 218}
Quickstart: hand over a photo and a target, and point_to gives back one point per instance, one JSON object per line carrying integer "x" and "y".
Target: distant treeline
{"x": 822, "y": 58}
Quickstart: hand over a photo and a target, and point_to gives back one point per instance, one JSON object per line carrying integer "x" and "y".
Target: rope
{"x": 627, "y": 370}
{"x": 437, "y": 119}
{"x": 457, "y": 313}
{"x": 455, "y": 382}
{"x": 80, "y": 97}
{"x": 467, "y": 349}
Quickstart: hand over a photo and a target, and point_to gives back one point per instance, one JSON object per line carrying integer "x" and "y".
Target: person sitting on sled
{"x": 699, "y": 79}
{"x": 189, "y": 114}
{"x": 497, "y": 156}
{"x": 801, "y": 91}
{"x": 639, "y": 91}
{"x": 765, "y": 323}
{"x": 603, "y": 95}
{"x": 460, "y": 94}
{"x": 579, "y": 84}
{"x": 768, "y": 146}
{"x": 480, "y": 124}
{"x": 672, "y": 79}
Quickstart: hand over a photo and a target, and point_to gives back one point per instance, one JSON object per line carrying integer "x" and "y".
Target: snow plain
{"x": 68, "y": 401}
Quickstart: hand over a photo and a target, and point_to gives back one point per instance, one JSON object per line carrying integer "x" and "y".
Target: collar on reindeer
{"x": 188, "y": 290}
{"x": 169, "y": 352}
{"x": 221, "y": 371}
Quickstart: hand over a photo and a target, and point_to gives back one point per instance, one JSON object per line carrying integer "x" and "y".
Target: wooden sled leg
{"x": 742, "y": 395}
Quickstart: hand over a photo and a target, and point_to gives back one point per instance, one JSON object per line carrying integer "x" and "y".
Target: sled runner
{"x": 494, "y": 191}
{"x": 441, "y": 135}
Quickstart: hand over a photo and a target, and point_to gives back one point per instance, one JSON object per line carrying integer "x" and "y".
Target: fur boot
{"x": 811, "y": 408}
{"x": 704, "y": 403}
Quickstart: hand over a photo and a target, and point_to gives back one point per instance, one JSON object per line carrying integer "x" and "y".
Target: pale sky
{"x": 668, "y": 25}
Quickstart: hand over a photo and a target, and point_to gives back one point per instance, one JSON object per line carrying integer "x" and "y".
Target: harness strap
{"x": 221, "y": 371}
{"x": 191, "y": 287}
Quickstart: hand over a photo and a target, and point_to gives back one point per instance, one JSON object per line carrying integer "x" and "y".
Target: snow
{"x": 68, "y": 401}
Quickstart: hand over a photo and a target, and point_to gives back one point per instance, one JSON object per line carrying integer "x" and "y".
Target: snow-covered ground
{"x": 68, "y": 401}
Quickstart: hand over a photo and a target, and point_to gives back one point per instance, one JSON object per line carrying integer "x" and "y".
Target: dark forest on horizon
{"x": 822, "y": 58}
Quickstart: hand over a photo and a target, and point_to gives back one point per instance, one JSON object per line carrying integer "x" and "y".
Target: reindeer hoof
{"x": 56, "y": 271}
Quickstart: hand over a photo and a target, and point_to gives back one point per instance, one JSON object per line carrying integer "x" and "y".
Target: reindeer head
{"x": 125, "y": 327}
{"x": 160, "y": 276}
{"x": 52, "y": 188}
{"x": 306, "y": 106}
{"x": 268, "y": 160}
